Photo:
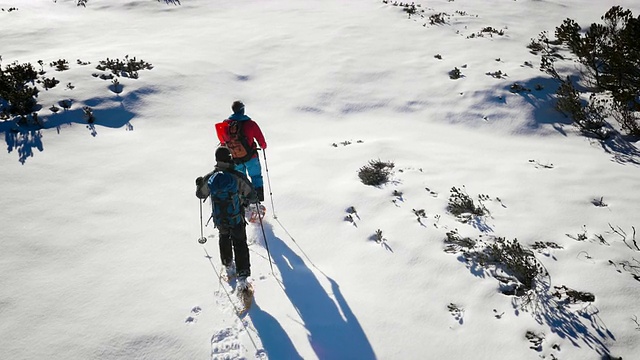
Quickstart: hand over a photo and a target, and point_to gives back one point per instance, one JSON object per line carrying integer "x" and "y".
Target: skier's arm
{"x": 257, "y": 134}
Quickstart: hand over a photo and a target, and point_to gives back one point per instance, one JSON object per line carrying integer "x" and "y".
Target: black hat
{"x": 223, "y": 155}
{"x": 238, "y": 107}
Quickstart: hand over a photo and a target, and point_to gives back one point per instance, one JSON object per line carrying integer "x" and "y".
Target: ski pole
{"x": 202, "y": 239}
{"x": 266, "y": 168}
{"x": 264, "y": 236}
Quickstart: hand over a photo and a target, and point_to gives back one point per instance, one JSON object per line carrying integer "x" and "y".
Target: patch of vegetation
{"x": 378, "y": 237}
{"x": 540, "y": 165}
{"x": 455, "y": 74}
{"x": 518, "y": 88}
{"x": 620, "y": 232}
{"x": 376, "y": 173}
{"x": 457, "y": 312}
{"x": 352, "y": 214}
{"x": 517, "y": 261}
{"x": 632, "y": 267}
{"x": 460, "y": 203}
{"x": 17, "y": 90}
{"x": 541, "y": 245}
{"x": 420, "y": 214}
{"x": 60, "y": 65}
{"x": 116, "y": 87}
{"x": 609, "y": 55}
{"x": 455, "y": 243}
{"x": 346, "y": 142}
{"x": 599, "y": 202}
{"x": 520, "y": 265}
{"x": 410, "y": 9}
{"x": 535, "y": 340}
{"x": 438, "y": 19}
{"x": 49, "y": 83}
{"x": 88, "y": 115}
{"x": 126, "y": 68}
{"x": 570, "y": 296}
{"x": 490, "y": 31}
{"x": 497, "y": 74}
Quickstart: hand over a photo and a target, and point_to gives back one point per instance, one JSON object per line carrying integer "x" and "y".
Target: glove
{"x": 199, "y": 180}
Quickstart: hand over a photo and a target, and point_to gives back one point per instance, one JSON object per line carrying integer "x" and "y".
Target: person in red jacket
{"x": 253, "y": 134}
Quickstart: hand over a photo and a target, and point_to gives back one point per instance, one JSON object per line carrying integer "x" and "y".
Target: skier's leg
{"x": 255, "y": 171}
{"x": 224, "y": 242}
{"x": 241, "y": 168}
{"x": 241, "y": 250}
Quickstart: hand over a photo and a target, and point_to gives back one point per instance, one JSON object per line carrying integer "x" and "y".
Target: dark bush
{"x": 461, "y": 203}
{"x": 375, "y": 173}
{"x": 610, "y": 54}
{"x": 19, "y": 97}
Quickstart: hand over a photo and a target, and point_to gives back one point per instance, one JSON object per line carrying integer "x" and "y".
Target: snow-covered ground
{"x": 98, "y": 250}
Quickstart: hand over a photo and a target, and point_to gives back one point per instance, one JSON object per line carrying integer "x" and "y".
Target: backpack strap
{"x": 243, "y": 178}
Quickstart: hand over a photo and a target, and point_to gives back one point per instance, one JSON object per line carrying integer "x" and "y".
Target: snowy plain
{"x": 98, "y": 250}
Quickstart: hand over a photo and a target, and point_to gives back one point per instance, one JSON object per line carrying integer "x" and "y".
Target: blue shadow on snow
{"x": 334, "y": 331}
{"x": 26, "y": 138}
{"x": 621, "y": 147}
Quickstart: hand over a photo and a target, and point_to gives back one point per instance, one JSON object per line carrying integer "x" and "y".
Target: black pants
{"x": 233, "y": 245}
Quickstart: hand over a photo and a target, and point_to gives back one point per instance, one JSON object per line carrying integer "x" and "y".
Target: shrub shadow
{"x": 539, "y": 93}
{"x": 583, "y": 326}
{"x": 27, "y": 136}
{"x": 580, "y": 327}
{"x": 621, "y": 147}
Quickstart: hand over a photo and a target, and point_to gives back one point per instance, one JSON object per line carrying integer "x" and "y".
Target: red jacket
{"x": 252, "y": 132}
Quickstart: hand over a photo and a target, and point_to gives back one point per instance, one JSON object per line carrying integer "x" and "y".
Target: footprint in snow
{"x": 194, "y": 312}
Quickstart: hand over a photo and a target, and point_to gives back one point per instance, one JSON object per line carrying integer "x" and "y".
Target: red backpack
{"x": 230, "y": 135}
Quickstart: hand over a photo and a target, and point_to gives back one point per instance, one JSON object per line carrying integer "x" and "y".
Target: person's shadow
{"x": 333, "y": 330}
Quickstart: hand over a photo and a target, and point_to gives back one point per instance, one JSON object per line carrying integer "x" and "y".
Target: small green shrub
{"x": 49, "y": 83}
{"x": 610, "y": 58}
{"x": 455, "y": 243}
{"x": 378, "y": 237}
{"x": 60, "y": 65}
{"x": 571, "y": 296}
{"x": 376, "y": 172}
{"x": 461, "y": 203}
{"x": 19, "y": 97}
{"x": 455, "y": 74}
{"x": 439, "y": 18}
{"x": 127, "y": 67}
{"x": 517, "y": 261}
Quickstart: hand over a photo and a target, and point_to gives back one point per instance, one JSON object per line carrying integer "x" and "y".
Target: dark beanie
{"x": 237, "y": 107}
{"x": 223, "y": 155}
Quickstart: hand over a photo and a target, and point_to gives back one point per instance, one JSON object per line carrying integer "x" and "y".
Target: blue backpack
{"x": 225, "y": 200}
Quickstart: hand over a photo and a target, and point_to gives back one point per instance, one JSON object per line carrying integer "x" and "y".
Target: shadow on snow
{"x": 334, "y": 331}
{"x": 621, "y": 147}
{"x": 583, "y": 326}
{"x": 26, "y": 138}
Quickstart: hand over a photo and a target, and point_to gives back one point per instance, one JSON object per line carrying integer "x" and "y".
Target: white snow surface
{"x": 99, "y": 256}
